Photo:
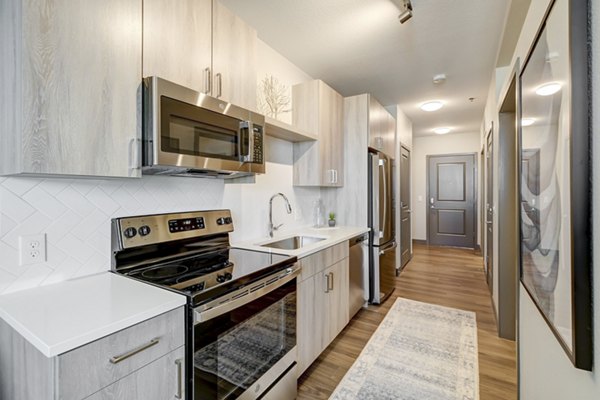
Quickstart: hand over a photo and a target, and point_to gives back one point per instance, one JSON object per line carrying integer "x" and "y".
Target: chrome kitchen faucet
{"x": 273, "y": 228}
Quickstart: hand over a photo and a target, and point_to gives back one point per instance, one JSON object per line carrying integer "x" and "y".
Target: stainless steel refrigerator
{"x": 382, "y": 238}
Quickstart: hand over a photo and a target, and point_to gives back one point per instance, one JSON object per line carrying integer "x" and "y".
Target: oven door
{"x": 246, "y": 349}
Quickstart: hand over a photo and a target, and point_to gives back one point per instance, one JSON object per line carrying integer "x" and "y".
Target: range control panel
{"x": 129, "y": 232}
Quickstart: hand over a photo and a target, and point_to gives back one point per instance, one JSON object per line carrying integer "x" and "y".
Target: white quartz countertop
{"x": 60, "y": 317}
{"x": 331, "y": 237}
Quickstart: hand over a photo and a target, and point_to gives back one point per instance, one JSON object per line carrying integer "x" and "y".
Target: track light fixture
{"x": 405, "y": 10}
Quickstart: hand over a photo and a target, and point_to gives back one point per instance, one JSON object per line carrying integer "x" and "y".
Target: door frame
{"x": 399, "y": 233}
{"x": 489, "y": 138}
{"x": 475, "y": 189}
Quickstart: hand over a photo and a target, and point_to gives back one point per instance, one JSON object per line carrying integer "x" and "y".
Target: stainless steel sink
{"x": 293, "y": 243}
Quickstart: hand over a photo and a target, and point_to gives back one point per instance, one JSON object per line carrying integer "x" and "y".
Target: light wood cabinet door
{"x": 162, "y": 379}
{"x": 234, "y": 58}
{"x": 75, "y": 74}
{"x": 178, "y": 41}
{"x": 337, "y": 299}
{"x": 318, "y": 109}
{"x": 311, "y": 320}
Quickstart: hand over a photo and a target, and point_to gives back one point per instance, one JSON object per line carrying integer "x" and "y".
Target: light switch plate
{"x": 32, "y": 249}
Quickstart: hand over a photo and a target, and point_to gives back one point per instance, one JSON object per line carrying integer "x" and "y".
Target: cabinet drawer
{"x": 319, "y": 261}
{"x": 162, "y": 379}
{"x": 89, "y": 368}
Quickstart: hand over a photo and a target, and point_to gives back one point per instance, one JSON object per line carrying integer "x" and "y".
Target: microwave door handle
{"x": 245, "y": 132}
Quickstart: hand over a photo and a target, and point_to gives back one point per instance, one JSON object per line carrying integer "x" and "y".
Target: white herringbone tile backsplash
{"x": 75, "y": 214}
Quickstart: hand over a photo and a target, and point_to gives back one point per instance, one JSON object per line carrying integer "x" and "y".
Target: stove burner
{"x": 164, "y": 272}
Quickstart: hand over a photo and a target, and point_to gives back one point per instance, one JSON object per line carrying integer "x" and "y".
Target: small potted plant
{"x": 331, "y": 219}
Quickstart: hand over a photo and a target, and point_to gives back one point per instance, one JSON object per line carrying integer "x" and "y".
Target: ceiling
{"x": 358, "y": 46}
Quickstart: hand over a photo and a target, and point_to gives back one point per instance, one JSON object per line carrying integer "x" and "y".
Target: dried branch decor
{"x": 272, "y": 97}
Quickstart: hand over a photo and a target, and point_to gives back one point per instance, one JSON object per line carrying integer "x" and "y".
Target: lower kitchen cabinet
{"x": 160, "y": 380}
{"x": 322, "y": 302}
{"x": 144, "y": 361}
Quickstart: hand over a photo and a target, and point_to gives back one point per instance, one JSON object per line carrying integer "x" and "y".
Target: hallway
{"x": 444, "y": 276}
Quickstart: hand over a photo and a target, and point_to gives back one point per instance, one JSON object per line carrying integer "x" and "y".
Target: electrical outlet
{"x": 32, "y": 249}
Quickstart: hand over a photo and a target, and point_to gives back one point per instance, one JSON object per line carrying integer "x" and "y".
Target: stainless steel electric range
{"x": 241, "y": 309}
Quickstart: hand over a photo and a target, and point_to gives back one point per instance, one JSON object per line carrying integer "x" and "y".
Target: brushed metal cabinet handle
{"x": 207, "y": 80}
{"x": 125, "y": 356}
{"x": 331, "y": 281}
{"x": 219, "y": 84}
{"x": 134, "y": 154}
{"x": 326, "y": 283}
{"x": 179, "y": 394}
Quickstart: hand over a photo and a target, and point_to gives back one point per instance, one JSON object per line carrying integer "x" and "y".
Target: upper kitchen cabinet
{"x": 382, "y": 128}
{"x": 178, "y": 42}
{"x": 318, "y": 109}
{"x": 234, "y": 58}
{"x": 202, "y": 45}
{"x": 69, "y": 85}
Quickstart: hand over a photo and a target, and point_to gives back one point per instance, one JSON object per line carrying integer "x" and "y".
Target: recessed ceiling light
{"x": 432, "y": 106}
{"x": 527, "y": 121}
{"x": 441, "y": 131}
{"x": 548, "y": 89}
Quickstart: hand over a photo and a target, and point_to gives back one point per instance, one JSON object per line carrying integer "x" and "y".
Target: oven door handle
{"x": 245, "y": 295}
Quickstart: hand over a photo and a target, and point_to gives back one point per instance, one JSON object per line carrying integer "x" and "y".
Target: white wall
{"x": 75, "y": 213}
{"x": 435, "y": 145}
{"x": 545, "y": 372}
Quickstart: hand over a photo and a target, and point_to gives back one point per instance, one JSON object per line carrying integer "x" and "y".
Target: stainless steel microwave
{"x": 188, "y": 133}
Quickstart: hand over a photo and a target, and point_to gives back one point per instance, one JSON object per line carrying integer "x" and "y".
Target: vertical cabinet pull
{"x": 327, "y": 283}
{"x": 219, "y": 84}
{"x": 207, "y": 80}
{"x": 330, "y": 280}
{"x": 134, "y": 154}
{"x": 179, "y": 394}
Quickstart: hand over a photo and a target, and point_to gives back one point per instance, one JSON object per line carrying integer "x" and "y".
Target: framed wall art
{"x": 555, "y": 190}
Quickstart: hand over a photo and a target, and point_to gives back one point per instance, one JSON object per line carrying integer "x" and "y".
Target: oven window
{"x": 191, "y": 130}
{"x": 232, "y": 351}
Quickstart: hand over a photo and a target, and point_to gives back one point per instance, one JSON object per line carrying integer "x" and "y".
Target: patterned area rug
{"x": 419, "y": 352}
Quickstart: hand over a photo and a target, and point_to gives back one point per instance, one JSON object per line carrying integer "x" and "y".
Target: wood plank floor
{"x": 444, "y": 276}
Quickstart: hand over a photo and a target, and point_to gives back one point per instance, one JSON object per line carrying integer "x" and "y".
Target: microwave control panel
{"x": 258, "y": 144}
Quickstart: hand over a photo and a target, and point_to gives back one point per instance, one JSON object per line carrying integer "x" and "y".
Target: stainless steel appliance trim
{"x": 272, "y": 375}
{"x": 245, "y": 295}
{"x": 382, "y": 166}
{"x": 172, "y": 163}
{"x": 131, "y": 353}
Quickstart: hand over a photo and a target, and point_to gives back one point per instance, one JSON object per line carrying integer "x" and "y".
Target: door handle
{"x": 207, "y": 80}
{"x": 326, "y": 283}
{"x": 431, "y": 200}
{"x": 179, "y": 394}
{"x": 330, "y": 288}
{"x": 219, "y": 83}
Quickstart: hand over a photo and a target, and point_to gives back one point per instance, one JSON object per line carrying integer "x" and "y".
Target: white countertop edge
{"x": 332, "y": 237}
{"x": 22, "y": 322}
{"x": 88, "y": 337}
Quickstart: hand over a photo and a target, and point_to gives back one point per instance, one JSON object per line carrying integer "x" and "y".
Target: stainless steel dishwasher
{"x": 358, "y": 259}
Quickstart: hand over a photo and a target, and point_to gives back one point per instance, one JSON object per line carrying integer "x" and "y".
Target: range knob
{"x": 130, "y": 232}
{"x": 221, "y": 278}
{"x": 221, "y": 221}
{"x": 144, "y": 230}
{"x": 228, "y": 276}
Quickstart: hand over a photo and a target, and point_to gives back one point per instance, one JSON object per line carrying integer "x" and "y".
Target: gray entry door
{"x": 451, "y": 181}
{"x": 489, "y": 212}
{"x": 405, "y": 210}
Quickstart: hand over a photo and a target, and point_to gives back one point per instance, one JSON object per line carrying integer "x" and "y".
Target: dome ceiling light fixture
{"x": 441, "y": 131}
{"x": 527, "y": 121}
{"x": 432, "y": 105}
{"x": 548, "y": 89}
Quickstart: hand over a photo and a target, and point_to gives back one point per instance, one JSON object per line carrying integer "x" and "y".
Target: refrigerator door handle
{"x": 384, "y": 175}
